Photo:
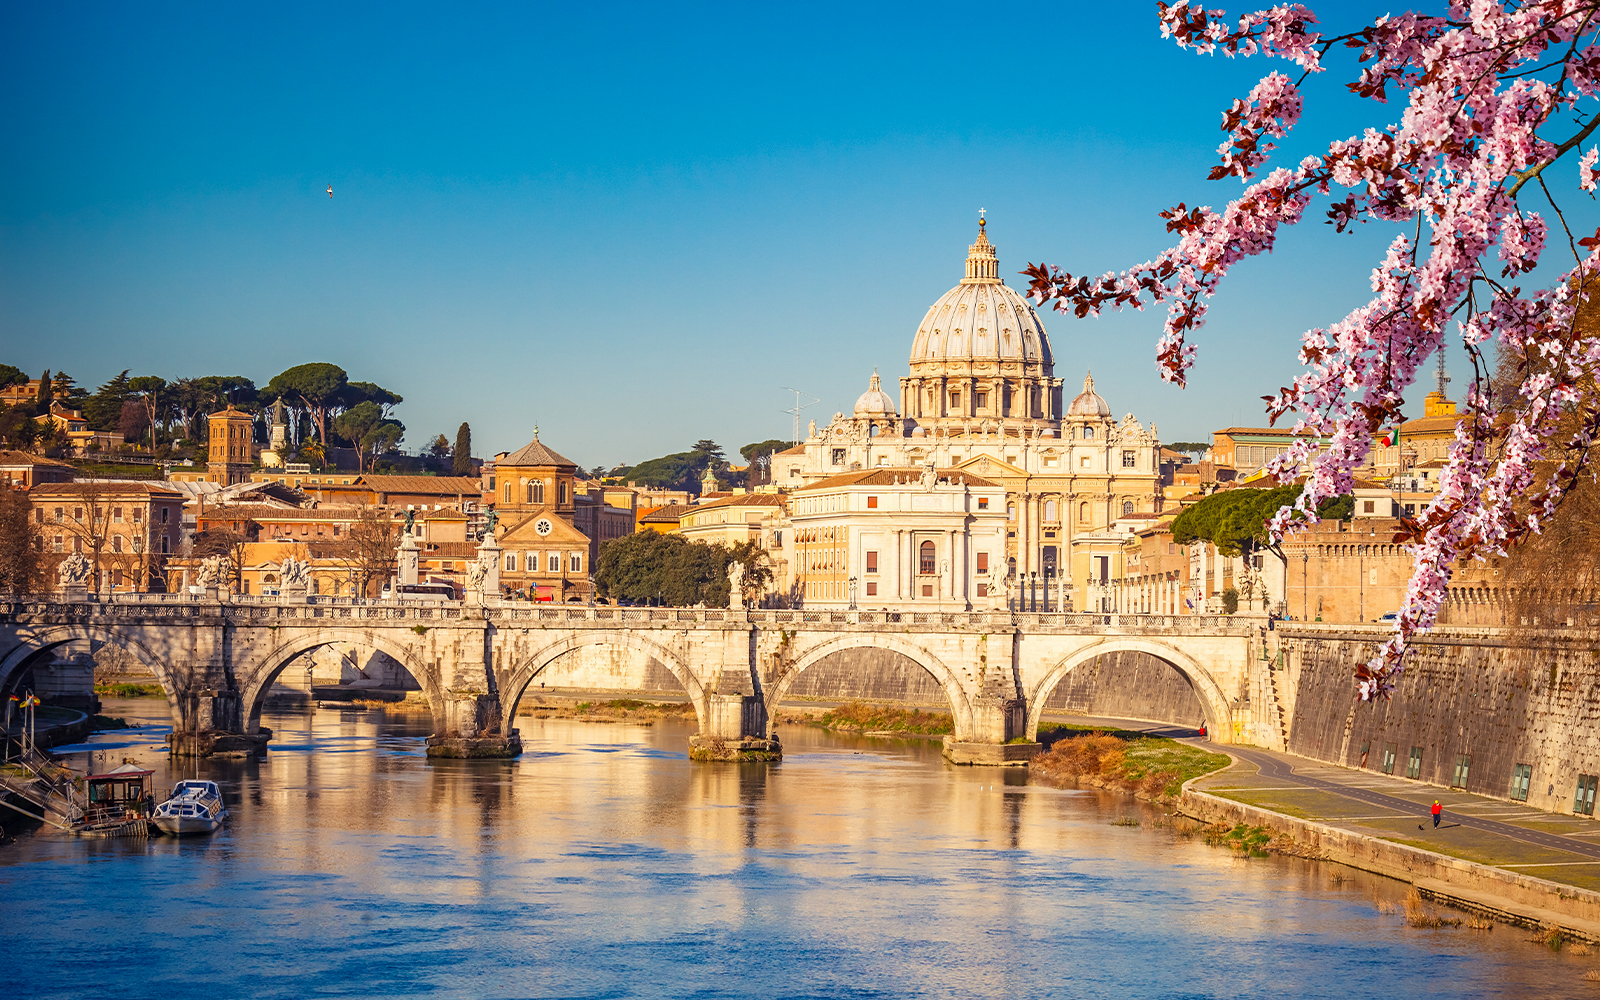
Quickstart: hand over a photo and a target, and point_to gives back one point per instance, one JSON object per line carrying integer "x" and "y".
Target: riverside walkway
{"x": 1492, "y": 832}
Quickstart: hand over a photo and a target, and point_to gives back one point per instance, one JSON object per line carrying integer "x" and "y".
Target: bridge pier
{"x": 472, "y": 713}
{"x": 212, "y": 725}
{"x": 998, "y": 737}
{"x": 734, "y": 729}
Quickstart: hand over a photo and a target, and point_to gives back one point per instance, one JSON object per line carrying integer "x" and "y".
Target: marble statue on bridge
{"x": 215, "y": 571}
{"x": 736, "y": 586}
{"x": 296, "y": 573}
{"x": 73, "y": 571}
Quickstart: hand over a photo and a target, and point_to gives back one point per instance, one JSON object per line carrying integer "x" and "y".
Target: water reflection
{"x": 604, "y": 864}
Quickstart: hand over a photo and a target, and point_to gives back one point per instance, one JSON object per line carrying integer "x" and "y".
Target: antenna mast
{"x": 1443, "y": 378}
{"x": 798, "y": 406}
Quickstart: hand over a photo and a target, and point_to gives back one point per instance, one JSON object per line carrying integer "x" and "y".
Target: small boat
{"x": 195, "y": 807}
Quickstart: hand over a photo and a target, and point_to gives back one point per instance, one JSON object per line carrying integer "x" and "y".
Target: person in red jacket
{"x": 1438, "y": 811}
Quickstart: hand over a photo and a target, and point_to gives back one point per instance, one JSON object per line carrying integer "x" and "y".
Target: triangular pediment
{"x": 524, "y": 531}
{"x": 988, "y": 466}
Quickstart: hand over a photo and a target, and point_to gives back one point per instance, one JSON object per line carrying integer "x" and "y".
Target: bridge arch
{"x": 1212, "y": 700}
{"x": 955, "y": 694}
{"x": 32, "y": 641}
{"x": 256, "y": 680}
{"x": 531, "y": 666}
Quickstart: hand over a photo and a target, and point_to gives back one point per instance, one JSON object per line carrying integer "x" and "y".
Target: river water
{"x": 603, "y": 863}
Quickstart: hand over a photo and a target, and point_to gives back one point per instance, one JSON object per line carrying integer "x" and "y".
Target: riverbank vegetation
{"x": 859, "y": 717}
{"x": 130, "y": 690}
{"x": 1150, "y": 767}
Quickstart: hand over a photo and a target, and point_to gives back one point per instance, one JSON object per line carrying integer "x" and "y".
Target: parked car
{"x": 1385, "y": 619}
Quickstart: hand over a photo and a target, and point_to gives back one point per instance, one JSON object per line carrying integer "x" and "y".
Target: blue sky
{"x": 630, "y": 225}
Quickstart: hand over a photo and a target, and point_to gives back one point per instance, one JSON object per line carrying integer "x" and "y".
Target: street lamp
{"x": 1305, "y": 584}
{"x": 1049, "y": 571}
{"x": 852, "y": 593}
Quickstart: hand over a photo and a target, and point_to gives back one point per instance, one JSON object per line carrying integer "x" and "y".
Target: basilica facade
{"x": 982, "y": 399}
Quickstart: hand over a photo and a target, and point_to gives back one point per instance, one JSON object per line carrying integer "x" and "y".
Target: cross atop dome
{"x": 983, "y": 267}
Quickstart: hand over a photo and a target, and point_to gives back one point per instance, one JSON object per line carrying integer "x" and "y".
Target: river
{"x": 603, "y": 863}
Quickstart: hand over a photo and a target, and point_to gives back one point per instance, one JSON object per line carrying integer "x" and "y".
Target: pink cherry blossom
{"x": 1491, "y": 91}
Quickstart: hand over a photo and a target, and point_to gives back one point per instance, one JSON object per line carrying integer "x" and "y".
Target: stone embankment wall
{"x": 1128, "y": 685}
{"x": 1489, "y": 699}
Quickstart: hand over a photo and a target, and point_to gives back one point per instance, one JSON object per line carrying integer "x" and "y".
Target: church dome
{"x": 981, "y": 319}
{"x": 1088, "y": 403}
{"x": 874, "y": 402}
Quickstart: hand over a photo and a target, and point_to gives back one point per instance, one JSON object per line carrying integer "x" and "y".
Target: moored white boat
{"x": 195, "y": 807}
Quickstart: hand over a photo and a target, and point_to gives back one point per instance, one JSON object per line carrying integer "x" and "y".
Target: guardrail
{"x": 254, "y": 608}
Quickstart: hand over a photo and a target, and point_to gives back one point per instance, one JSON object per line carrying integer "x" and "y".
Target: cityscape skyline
{"x": 519, "y": 230}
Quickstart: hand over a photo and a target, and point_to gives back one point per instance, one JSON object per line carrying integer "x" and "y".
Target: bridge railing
{"x": 253, "y": 608}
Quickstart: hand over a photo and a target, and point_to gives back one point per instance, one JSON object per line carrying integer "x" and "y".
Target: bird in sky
{"x": 330, "y": 190}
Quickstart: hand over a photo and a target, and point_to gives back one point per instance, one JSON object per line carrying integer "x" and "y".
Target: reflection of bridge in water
{"x": 217, "y": 660}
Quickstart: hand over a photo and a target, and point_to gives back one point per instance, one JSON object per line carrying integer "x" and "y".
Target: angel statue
{"x": 73, "y": 571}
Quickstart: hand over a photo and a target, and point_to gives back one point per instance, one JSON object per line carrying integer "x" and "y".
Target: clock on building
{"x": 543, "y": 526}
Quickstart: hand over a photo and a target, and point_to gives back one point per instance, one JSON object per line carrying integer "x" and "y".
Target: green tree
{"x": 103, "y": 411}
{"x": 647, "y": 567}
{"x": 1188, "y": 447}
{"x": 21, "y": 554}
{"x": 67, "y": 392}
{"x": 371, "y": 392}
{"x": 680, "y": 471}
{"x": 316, "y": 386}
{"x": 758, "y": 457}
{"x": 708, "y": 448}
{"x": 10, "y": 376}
{"x": 1235, "y": 521}
{"x": 46, "y": 392}
{"x": 461, "y": 460}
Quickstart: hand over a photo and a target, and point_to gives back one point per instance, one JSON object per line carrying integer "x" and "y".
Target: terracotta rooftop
{"x": 670, "y": 512}
{"x": 443, "y": 486}
{"x": 95, "y": 488}
{"x": 15, "y": 458}
{"x": 534, "y": 454}
{"x": 742, "y": 500}
{"x": 887, "y": 477}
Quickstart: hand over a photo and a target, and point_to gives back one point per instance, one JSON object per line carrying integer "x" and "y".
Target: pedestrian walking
{"x": 1438, "y": 811}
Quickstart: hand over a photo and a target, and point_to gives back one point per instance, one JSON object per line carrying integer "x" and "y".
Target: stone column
{"x": 408, "y": 558}
{"x": 1024, "y": 542}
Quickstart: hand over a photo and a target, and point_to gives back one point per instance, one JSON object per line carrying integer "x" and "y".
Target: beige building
{"x": 897, "y": 538}
{"x": 126, "y": 530}
{"x": 533, "y": 493}
{"x": 730, "y": 520}
{"x": 982, "y": 398}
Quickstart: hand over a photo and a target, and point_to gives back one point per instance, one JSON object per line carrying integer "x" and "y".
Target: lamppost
{"x": 1033, "y": 591}
{"x": 852, "y": 593}
{"x": 1049, "y": 571}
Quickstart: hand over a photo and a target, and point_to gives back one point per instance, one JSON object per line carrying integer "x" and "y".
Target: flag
{"x": 1390, "y": 437}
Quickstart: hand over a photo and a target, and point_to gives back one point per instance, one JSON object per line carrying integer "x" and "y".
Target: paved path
{"x": 1281, "y": 767}
{"x": 1496, "y": 832}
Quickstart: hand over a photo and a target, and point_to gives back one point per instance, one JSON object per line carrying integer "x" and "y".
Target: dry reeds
{"x": 1385, "y": 907}
{"x": 1479, "y": 924}
{"x": 1591, "y": 976}
{"x": 1418, "y": 915}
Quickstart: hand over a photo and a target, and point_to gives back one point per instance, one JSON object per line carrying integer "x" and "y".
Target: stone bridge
{"x": 217, "y": 659}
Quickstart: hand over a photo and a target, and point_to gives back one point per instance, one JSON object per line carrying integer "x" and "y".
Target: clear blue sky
{"x": 630, "y": 225}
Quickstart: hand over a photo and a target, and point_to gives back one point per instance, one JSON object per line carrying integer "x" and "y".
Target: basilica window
{"x": 955, "y": 398}
{"x": 980, "y": 399}
{"x": 575, "y": 563}
{"x": 1127, "y": 507}
{"x": 1127, "y": 460}
{"x": 511, "y": 562}
{"x": 508, "y": 492}
{"x": 1011, "y": 512}
{"x": 1088, "y": 433}
{"x": 555, "y": 563}
{"x": 983, "y": 562}
{"x": 927, "y": 565}
{"x": 561, "y": 492}
{"x": 838, "y": 456}
{"x": 872, "y": 562}
{"x": 1049, "y": 510}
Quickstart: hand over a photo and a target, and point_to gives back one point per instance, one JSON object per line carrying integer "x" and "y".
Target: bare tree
{"x": 21, "y": 550}
{"x": 373, "y": 538}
